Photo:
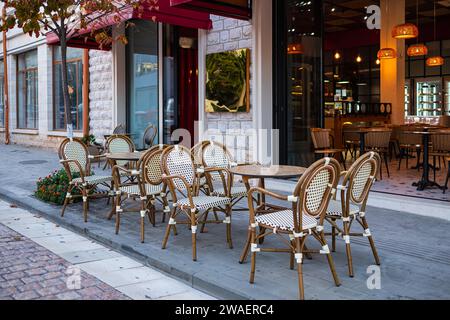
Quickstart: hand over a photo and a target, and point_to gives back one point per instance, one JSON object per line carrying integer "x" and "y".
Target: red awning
{"x": 165, "y": 14}
{"x": 238, "y": 9}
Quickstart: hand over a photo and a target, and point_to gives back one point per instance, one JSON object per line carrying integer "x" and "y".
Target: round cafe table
{"x": 248, "y": 172}
{"x": 124, "y": 156}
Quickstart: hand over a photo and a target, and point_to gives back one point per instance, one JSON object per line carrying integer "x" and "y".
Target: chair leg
{"x": 194, "y": 236}
{"x": 202, "y": 228}
{"x": 448, "y": 178}
{"x": 142, "y": 229}
{"x": 434, "y": 168}
{"x": 253, "y": 255}
{"x": 67, "y": 200}
{"x": 419, "y": 152}
{"x": 333, "y": 238}
{"x": 169, "y": 226}
{"x": 85, "y": 205}
{"x": 330, "y": 260}
{"x": 229, "y": 238}
{"x": 401, "y": 157}
{"x": 298, "y": 250}
{"x": 118, "y": 213}
{"x": 348, "y": 248}
{"x": 386, "y": 163}
{"x": 372, "y": 243}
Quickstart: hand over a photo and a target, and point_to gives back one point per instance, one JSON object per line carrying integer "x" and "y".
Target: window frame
{"x": 19, "y": 73}
{"x": 80, "y": 86}
{"x": 2, "y": 100}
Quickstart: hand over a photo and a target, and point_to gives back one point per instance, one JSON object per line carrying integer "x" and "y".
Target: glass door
{"x": 446, "y": 93}
{"x": 143, "y": 78}
{"x": 298, "y": 82}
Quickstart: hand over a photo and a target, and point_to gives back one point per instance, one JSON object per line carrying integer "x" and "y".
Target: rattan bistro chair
{"x": 354, "y": 190}
{"x": 216, "y": 155}
{"x": 75, "y": 158}
{"x": 149, "y": 137}
{"x": 305, "y": 218}
{"x": 378, "y": 140}
{"x": 440, "y": 141}
{"x": 148, "y": 188}
{"x": 183, "y": 180}
{"x": 323, "y": 144}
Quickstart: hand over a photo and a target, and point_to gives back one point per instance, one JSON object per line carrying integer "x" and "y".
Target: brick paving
{"x": 29, "y": 271}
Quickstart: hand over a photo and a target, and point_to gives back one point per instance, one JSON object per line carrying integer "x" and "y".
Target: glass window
{"x": 142, "y": 62}
{"x": 27, "y": 90}
{"x": 2, "y": 96}
{"x": 446, "y": 48}
{"x": 417, "y": 68}
{"x": 75, "y": 77}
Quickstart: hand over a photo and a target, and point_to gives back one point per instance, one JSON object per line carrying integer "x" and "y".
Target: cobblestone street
{"x": 29, "y": 271}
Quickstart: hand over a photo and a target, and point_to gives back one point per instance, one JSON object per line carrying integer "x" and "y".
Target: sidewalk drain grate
{"x": 30, "y": 162}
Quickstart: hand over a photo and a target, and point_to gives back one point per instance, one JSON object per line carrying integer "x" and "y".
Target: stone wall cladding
{"x": 38, "y": 141}
{"x": 233, "y": 129}
{"x": 100, "y": 93}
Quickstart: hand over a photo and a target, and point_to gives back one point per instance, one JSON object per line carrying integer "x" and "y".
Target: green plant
{"x": 53, "y": 188}
{"x": 89, "y": 140}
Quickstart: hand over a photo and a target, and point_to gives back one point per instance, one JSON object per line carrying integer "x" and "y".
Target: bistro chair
{"x": 148, "y": 188}
{"x": 149, "y": 137}
{"x": 409, "y": 142}
{"x": 378, "y": 140}
{"x": 76, "y": 160}
{"x": 323, "y": 144}
{"x": 354, "y": 190}
{"x": 448, "y": 175}
{"x": 197, "y": 156}
{"x": 305, "y": 218}
{"x": 119, "y": 130}
{"x": 120, "y": 144}
{"x": 351, "y": 141}
{"x": 216, "y": 155}
{"x": 183, "y": 180}
{"x": 440, "y": 141}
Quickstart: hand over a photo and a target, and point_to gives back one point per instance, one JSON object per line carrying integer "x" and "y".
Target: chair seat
{"x": 150, "y": 189}
{"x": 93, "y": 179}
{"x": 329, "y": 151}
{"x": 204, "y": 202}
{"x": 335, "y": 209}
{"x": 235, "y": 192}
{"x": 440, "y": 154}
{"x": 284, "y": 220}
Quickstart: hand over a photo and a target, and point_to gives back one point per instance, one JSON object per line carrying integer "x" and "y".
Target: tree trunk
{"x": 65, "y": 86}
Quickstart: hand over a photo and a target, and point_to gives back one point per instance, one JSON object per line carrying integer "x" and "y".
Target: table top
{"x": 129, "y": 156}
{"x": 257, "y": 171}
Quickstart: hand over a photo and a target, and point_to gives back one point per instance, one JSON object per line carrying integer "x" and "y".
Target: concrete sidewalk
{"x": 414, "y": 250}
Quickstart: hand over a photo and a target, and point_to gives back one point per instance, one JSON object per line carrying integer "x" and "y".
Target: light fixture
{"x": 295, "y": 48}
{"x": 337, "y": 56}
{"x": 377, "y": 61}
{"x": 387, "y": 53}
{"x": 417, "y": 50}
{"x": 435, "y": 61}
{"x": 405, "y": 31}
{"x": 358, "y": 59}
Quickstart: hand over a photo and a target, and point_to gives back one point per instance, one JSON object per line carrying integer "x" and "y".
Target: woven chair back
{"x": 321, "y": 138}
{"x": 149, "y": 137}
{"x": 360, "y": 178}
{"x": 315, "y": 188}
{"x": 378, "y": 139}
{"x": 151, "y": 165}
{"x": 75, "y": 149}
{"x": 441, "y": 141}
{"x": 120, "y": 144}
{"x": 120, "y": 129}
{"x": 177, "y": 160}
{"x": 216, "y": 155}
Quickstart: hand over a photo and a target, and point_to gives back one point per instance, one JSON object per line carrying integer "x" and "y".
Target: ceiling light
{"x": 405, "y": 31}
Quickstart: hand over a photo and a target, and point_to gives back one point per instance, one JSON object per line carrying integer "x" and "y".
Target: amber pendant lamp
{"x": 418, "y": 49}
{"x": 387, "y": 53}
{"x": 436, "y": 61}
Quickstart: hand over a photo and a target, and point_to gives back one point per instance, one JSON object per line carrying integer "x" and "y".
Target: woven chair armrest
{"x": 259, "y": 190}
{"x": 95, "y": 157}
{"x": 169, "y": 181}
{"x": 131, "y": 173}
{"x": 226, "y": 182}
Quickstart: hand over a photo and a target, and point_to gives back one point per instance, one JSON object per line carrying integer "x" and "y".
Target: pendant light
{"x": 405, "y": 31}
{"x": 418, "y": 49}
{"x": 387, "y": 53}
{"x": 436, "y": 61}
{"x": 295, "y": 48}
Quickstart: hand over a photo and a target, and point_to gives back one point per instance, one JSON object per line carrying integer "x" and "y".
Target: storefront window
{"x": 75, "y": 77}
{"x": 2, "y": 95}
{"x": 142, "y": 63}
{"x": 27, "y": 90}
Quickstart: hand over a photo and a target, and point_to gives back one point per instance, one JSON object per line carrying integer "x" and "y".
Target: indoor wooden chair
{"x": 323, "y": 144}
{"x": 303, "y": 219}
{"x": 440, "y": 141}
{"x": 183, "y": 180}
{"x": 75, "y": 158}
{"x": 351, "y": 208}
{"x": 147, "y": 187}
{"x": 448, "y": 175}
{"x": 150, "y": 134}
{"x": 378, "y": 140}
{"x": 408, "y": 143}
